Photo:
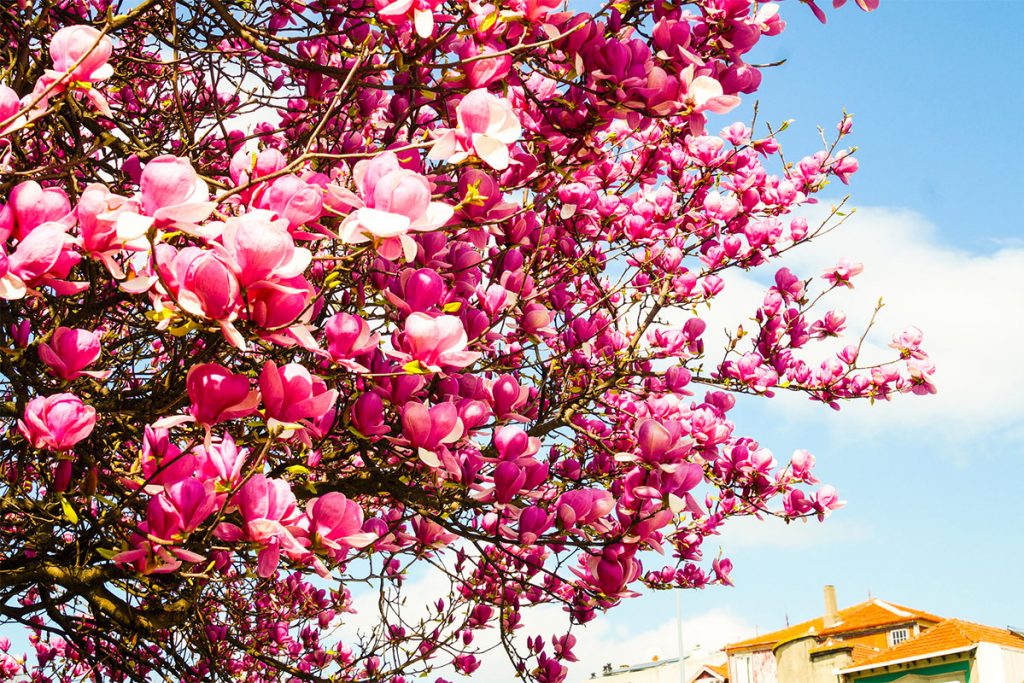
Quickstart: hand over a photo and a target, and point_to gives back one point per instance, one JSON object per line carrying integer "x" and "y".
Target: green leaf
{"x": 69, "y": 512}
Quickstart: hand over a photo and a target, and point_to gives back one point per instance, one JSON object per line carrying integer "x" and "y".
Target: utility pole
{"x": 679, "y": 633}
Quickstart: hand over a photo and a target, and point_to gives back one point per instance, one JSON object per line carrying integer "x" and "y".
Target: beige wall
{"x": 797, "y": 666}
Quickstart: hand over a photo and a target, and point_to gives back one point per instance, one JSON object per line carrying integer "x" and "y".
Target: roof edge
{"x": 904, "y": 660}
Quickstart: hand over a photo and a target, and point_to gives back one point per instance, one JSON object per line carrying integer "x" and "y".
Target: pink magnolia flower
{"x": 433, "y": 343}
{"x": 216, "y": 394}
{"x": 192, "y": 501}
{"x": 248, "y": 166}
{"x": 70, "y": 351}
{"x": 704, "y": 93}
{"x": 487, "y": 127}
{"x": 80, "y": 60}
{"x": 270, "y": 517}
{"x": 57, "y": 422}
{"x": 294, "y": 200}
{"x": 224, "y": 460}
{"x": 173, "y": 196}
{"x": 162, "y": 461}
{"x": 336, "y": 524}
{"x": 30, "y": 205}
{"x": 82, "y": 52}
{"x": 583, "y": 506}
{"x": 826, "y": 499}
{"x": 394, "y": 201}
{"x": 277, "y": 304}
{"x": 291, "y": 394}
{"x": 10, "y": 106}
{"x": 866, "y": 5}
{"x": 908, "y": 343}
{"x": 260, "y": 248}
{"x": 348, "y": 337}
{"x": 399, "y": 12}
{"x": 429, "y": 429}
{"x": 43, "y": 258}
{"x": 203, "y": 283}
{"x": 843, "y": 272}
{"x": 97, "y": 212}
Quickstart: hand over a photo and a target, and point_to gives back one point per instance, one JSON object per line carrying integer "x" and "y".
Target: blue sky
{"x": 933, "y": 485}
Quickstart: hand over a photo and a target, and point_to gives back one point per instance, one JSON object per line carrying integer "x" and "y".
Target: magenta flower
{"x": 218, "y": 395}
{"x": 400, "y": 12}
{"x": 10, "y": 105}
{"x": 203, "y": 284}
{"x": 348, "y": 337}
{"x": 291, "y": 394}
{"x": 80, "y": 60}
{"x": 270, "y": 517}
{"x": 336, "y": 523}
{"x": 843, "y": 272}
{"x": 429, "y": 429}
{"x": 57, "y": 422}
{"x": 487, "y": 127}
{"x": 43, "y": 258}
{"x": 193, "y": 501}
{"x": 294, "y": 200}
{"x": 224, "y": 461}
{"x": 70, "y": 351}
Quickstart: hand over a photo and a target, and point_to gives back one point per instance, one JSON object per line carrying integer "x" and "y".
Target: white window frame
{"x": 898, "y": 635}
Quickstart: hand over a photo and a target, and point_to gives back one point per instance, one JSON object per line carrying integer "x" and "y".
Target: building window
{"x": 897, "y": 636}
{"x": 742, "y": 669}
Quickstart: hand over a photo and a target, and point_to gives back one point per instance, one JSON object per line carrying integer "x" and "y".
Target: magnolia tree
{"x": 298, "y": 296}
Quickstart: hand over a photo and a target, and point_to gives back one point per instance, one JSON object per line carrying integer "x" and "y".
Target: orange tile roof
{"x": 951, "y": 634}
{"x": 866, "y": 615}
{"x": 721, "y": 669}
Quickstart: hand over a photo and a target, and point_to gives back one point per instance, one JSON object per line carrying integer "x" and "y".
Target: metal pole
{"x": 679, "y": 633}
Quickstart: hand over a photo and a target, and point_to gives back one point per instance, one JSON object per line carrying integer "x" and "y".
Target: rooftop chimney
{"x": 831, "y": 612}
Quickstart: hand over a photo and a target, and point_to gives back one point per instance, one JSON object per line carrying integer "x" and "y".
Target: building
{"x": 701, "y": 667}
{"x": 813, "y": 651}
{"x": 953, "y": 651}
{"x": 870, "y": 642}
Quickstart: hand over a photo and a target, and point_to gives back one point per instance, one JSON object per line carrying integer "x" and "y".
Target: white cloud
{"x": 970, "y": 306}
{"x": 748, "y": 532}
{"x": 608, "y": 640}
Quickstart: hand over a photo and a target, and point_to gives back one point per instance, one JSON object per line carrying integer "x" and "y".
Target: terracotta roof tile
{"x": 862, "y": 616}
{"x": 948, "y": 635}
{"x": 721, "y": 669}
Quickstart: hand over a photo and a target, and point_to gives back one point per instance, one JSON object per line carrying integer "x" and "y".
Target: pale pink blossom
{"x": 257, "y": 247}
{"x": 392, "y": 202}
{"x": 434, "y": 343}
{"x": 30, "y": 205}
{"x": 487, "y": 127}
{"x": 80, "y": 60}
{"x": 399, "y": 12}
{"x": 44, "y": 258}
{"x": 843, "y": 272}
{"x": 172, "y": 197}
